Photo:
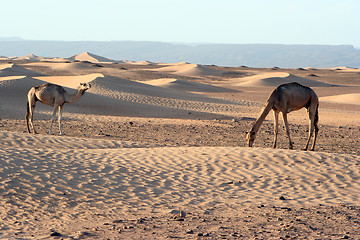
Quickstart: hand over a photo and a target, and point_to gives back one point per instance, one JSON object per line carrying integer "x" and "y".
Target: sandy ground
{"x": 158, "y": 151}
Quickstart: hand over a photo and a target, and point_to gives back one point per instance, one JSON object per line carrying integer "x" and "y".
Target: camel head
{"x": 83, "y": 87}
{"x": 250, "y": 137}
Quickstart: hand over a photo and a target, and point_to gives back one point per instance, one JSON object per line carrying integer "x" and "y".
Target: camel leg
{"x": 311, "y": 130}
{"x": 53, "y": 119}
{"x": 276, "y": 127}
{"x": 315, "y": 136}
{"x": 27, "y": 117}
{"x": 287, "y": 129}
{"x": 30, "y": 118}
{"x": 59, "y": 120}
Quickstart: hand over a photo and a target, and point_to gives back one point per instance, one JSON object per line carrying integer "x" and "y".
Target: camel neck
{"x": 71, "y": 98}
{"x": 255, "y": 128}
{"x": 262, "y": 117}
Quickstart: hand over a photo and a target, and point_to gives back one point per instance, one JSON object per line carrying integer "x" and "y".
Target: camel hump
{"x": 295, "y": 86}
{"x": 291, "y": 84}
{"x": 50, "y": 87}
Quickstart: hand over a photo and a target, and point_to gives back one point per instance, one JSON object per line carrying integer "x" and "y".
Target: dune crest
{"x": 139, "y": 62}
{"x": 184, "y": 85}
{"x": 188, "y": 69}
{"x": 30, "y": 57}
{"x": 90, "y": 57}
{"x": 70, "y": 81}
{"x": 275, "y": 79}
{"x": 54, "y": 59}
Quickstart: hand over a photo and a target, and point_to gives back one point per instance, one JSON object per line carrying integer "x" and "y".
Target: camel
{"x": 287, "y": 98}
{"x": 52, "y": 95}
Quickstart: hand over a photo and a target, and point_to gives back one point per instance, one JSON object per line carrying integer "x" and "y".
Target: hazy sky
{"x": 191, "y": 21}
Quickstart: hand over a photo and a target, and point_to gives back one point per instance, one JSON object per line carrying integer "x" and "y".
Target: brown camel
{"x": 286, "y": 98}
{"x": 52, "y": 95}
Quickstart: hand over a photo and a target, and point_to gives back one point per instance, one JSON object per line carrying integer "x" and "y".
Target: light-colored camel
{"x": 286, "y": 98}
{"x": 52, "y": 95}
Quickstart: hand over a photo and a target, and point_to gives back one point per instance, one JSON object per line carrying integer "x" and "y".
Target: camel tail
{"x": 317, "y": 115}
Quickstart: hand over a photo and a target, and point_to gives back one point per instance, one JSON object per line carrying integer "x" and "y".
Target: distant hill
{"x": 11, "y": 39}
{"x": 252, "y": 55}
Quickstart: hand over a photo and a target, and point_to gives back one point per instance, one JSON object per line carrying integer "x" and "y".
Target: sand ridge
{"x": 258, "y": 175}
{"x": 39, "y": 182}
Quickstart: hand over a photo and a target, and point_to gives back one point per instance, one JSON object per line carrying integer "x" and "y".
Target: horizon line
{"x": 20, "y": 39}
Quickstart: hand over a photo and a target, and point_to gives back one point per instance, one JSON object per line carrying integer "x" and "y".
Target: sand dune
{"x": 353, "y": 98}
{"x": 147, "y": 100}
{"x": 114, "y": 87}
{"x": 61, "y": 66}
{"x": 70, "y": 81}
{"x": 54, "y": 59}
{"x": 183, "y": 85}
{"x": 13, "y": 94}
{"x": 11, "y": 78}
{"x": 140, "y": 62}
{"x": 275, "y": 79}
{"x": 11, "y": 69}
{"x": 188, "y": 69}
{"x": 347, "y": 69}
{"x": 112, "y": 96}
{"x": 90, "y": 57}
{"x": 30, "y": 57}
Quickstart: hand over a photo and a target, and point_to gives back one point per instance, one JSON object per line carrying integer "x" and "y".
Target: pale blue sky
{"x": 191, "y": 21}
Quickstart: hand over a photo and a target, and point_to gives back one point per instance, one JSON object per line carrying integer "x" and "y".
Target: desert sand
{"x": 158, "y": 151}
